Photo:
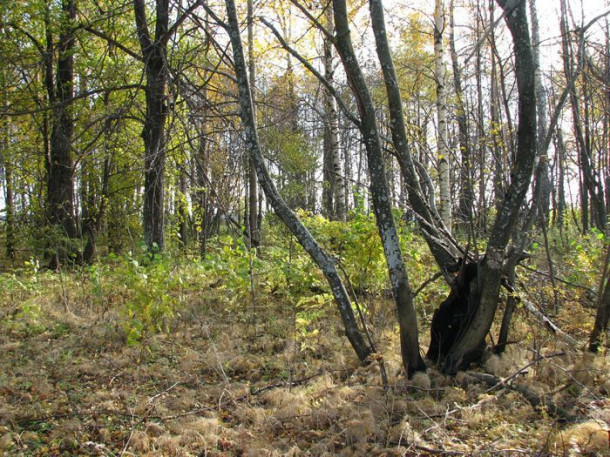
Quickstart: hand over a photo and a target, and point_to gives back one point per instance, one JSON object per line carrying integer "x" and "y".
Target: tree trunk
{"x": 603, "y": 310}
{"x": 484, "y": 294}
{"x": 95, "y": 207}
{"x": 466, "y": 192}
{"x": 183, "y": 212}
{"x": 497, "y": 145}
{"x": 333, "y": 186}
{"x": 154, "y": 51}
{"x": 440, "y": 71}
{"x": 320, "y": 257}
{"x": 403, "y": 296}
{"x": 541, "y": 101}
{"x": 60, "y": 179}
{"x": 9, "y": 201}
{"x": 6, "y": 163}
{"x": 480, "y": 131}
{"x": 254, "y": 234}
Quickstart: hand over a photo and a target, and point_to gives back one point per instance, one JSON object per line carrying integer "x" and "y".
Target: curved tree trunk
{"x": 403, "y": 295}
{"x": 320, "y": 257}
{"x": 484, "y": 296}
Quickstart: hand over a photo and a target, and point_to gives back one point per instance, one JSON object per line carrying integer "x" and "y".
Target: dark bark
{"x": 464, "y": 214}
{"x": 320, "y": 257}
{"x": 403, "y": 295}
{"x": 154, "y": 52}
{"x": 59, "y": 86}
{"x": 453, "y": 316}
{"x": 254, "y": 233}
{"x": 602, "y": 316}
{"x": 485, "y": 295}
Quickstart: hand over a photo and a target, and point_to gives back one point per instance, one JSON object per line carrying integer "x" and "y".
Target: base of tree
{"x": 453, "y": 316}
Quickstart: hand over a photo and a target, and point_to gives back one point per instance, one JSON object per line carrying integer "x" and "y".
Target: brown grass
{"x": 219, "y": 385}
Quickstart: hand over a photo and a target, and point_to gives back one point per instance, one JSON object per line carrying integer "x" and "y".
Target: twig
{"x": 154, "y": 397}
{"x": 379, "y": 358}
{"x": 563, "y": 281}
{"x": 428, "y": 281}
{"x": 522, "y": 369}
{"x": 293, "y": 383}
{"x": 437, "y": 451}
{"x": 185, "y": 414}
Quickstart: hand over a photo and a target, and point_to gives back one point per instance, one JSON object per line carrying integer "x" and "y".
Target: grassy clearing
{"x": 227, "y": 373}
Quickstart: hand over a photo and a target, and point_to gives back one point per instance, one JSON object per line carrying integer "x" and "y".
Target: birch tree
{"x": 333, "y": 194}
{"x": 440, "y": 72}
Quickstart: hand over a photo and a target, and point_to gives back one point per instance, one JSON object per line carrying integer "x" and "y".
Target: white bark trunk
{"x": 440, "y": 70}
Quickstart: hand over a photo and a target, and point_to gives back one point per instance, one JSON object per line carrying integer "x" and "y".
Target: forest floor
{"x": 236, "y": 378}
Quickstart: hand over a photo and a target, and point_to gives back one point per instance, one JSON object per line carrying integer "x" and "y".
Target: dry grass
{"x": 230, "y": 383}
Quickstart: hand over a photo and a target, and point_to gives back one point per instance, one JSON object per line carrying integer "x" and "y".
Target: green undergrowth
{"x": 242, "y": 353}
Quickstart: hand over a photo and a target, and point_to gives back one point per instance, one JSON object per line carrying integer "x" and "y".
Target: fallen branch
{"x": 552, "y": 327}
{"x": 537, "y": 401}
{"x": 523, "y": 369}
{"x": 296, "y": 382}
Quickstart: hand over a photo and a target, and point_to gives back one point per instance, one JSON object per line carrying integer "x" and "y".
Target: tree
{"x": 254, "y": 230}
{"x": 6, "y": 166}
{"x": 333, "y": 192}
{"x": 602, "y": 317}
{"x": 466, "y": 191}
{"x": 154, "y": 56}
{"x": 484, "y": 288}
{"x": 59, "y": 82}
{"x": 401, "y": 290}
{"x": 320, "y": 257}
{"x": 541, "y": 108}
{"x": 440, "y": 71}
{"x": 154, "y": 53}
